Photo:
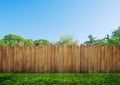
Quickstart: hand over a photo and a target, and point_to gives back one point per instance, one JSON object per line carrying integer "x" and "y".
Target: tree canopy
{"x": 13, "y": 39}
{"x": 114, "y": 39}
{"x": 67, "y": 39}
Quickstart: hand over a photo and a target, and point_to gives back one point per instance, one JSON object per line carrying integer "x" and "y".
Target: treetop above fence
{"x": 90, "y": 45}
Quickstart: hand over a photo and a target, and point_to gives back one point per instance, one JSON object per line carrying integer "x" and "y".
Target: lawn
{"x": 60, "y": 79}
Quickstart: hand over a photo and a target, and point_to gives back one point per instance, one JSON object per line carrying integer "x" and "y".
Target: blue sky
{"x": 49, "y": 19}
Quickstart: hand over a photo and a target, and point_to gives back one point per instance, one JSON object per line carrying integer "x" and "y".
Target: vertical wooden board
{"x": 4, "y": 60}
{"x": 32, "y": 53}
{"x": 24, "y": 59}
{"x": 91, "y": 58}
{"x": 69, "y": 59}
{"x": 82, "y": 58}
{"x": 28, "y": 59}
{"x": 59, "y": 60}
{"x": 56, "y": 58}
{"x": 26, "y": 52}
{"x": 89, "y": 51}
{"x": 53, "y": 59}
{"x": 86, "y": 59}
{"x": 106, "y": 55}
{"x": 62, "y": 58}
{"x": 41, "y": 59}
{"x": 97, "y": 59}
{"x": 31, "y": 59}
{"x": 15, "y": 59}
{"x": 18, "y": 59}
{"x": 37, "y": 59}
{"x": 114, "y": 58}
{"x": 11, "y": 54}
{"x": 109, "y": 59}
{"x": 49, "y": 58}
{"x": 77, "y": 59}
{"x": 74, "y": 57}
{"x": 0, "y": 58}
{"x": 44, "y": 59}
{"x": 60, "y": 55}
{"x": 118, "y": 51}
{"x": 116, "y": 55}
{"x": 65, "y": 58}
{"x": 75, "y": 50}
{"x": 117, "y": 59}
{"x": 7, "y": 59}
{"x": 102, "y": 56}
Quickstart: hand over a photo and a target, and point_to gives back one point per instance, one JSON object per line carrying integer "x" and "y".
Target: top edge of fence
{"x": 60, "y": 45}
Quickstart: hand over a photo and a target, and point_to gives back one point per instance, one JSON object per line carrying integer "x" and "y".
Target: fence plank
{"x": 97, "y": 60}
{"x": 53, "y": 59}
{"x": 26, "y": 59}
{"x": 0, "y": 58}
{"x": 70, "y": 59}
{"x": 74, "y": 57}
{"x": 87, "y": 58}
{"x": 102, "y": 56}
{"x": 4, "y": 59}
{"x": 37, "y": 59}
{"x": 91, "y": 56}
{"x": 82, "y": 60}
{"x": 61, "y": 57}
{"x": 18, "y": 59}
{"x": 118, "y": 58}
{"x": 77, "y": 59}
{"x": 11, "y": 55}
{"x": 56, "y": 59}
{"x": 109, "y": 60}
{"x": 32, "y": 53}
{"x": 49, "y": 58}
{"x": 65, "y": 58}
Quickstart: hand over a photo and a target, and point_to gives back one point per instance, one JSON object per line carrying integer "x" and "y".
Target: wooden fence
{"x": 60, "y": 59}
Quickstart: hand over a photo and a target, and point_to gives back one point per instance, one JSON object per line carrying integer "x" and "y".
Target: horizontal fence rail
{"x": 60, "y": 59}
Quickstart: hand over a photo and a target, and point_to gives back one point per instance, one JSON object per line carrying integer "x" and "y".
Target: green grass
{"x": 60, "y": 79}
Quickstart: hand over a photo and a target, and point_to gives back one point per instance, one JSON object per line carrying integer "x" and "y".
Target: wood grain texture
{"x": 60, "y": 59}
